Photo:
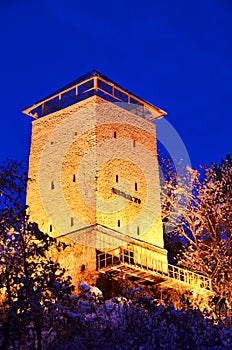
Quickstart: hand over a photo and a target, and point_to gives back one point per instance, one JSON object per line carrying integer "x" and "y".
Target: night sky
{"x": 174, "y": 54}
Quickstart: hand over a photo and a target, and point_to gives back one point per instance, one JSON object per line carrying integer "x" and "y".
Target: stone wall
{"x": 77, "y": 156}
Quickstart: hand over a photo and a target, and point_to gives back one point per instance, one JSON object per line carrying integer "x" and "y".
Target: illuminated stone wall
{"x": 79, "y": 156}
{"x": 132, "y": 156}
{"x": 46, "y": 142}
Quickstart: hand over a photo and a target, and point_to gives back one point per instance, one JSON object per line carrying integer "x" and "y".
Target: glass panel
{"x": 51, "y": 105}
{"x": 132, "y": 100}
{"x": 109, "y": 98}
{"x": 37, "y": 112}
{"x": 86, "y": 86}
{"x": 104, "y": 86}
{"x": 140, "y": 111}
{"x": 101, "y": 94}
{"x": 85, "y": 95}
{"x": 68, "y": 98}
{"x": 105, "y": 96}
{"x": 119, "y": 94}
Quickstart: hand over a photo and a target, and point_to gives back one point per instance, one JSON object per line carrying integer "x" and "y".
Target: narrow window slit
{"x": 72, "y": 221}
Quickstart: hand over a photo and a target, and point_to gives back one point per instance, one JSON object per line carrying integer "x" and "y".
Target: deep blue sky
{"x": 175, "y": 54}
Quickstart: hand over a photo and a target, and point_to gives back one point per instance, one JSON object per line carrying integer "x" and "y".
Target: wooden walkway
{"x": 122, "y": 261}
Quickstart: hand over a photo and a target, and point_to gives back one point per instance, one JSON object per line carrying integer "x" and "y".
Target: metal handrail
{"x": 153, "y": 266}
{"x": 130, "y": 97}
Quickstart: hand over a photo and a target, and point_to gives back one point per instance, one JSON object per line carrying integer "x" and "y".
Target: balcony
{"x": 144, "y": 269}
{"x": 119, "y": 254}
{"x": 94, "y": 84}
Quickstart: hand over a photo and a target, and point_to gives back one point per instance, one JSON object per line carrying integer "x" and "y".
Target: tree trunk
{"x": 39, "y": 336}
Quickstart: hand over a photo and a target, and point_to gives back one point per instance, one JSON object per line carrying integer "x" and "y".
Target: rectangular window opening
{"x": 134, "y": 143}
{"x": 115, "y": 134}
{"x": 119, "y": 223}
{"x": 52, "y": 185}
{"x": 116, "y": 178}
{"x": 74, "y": 178}
{"x": 138, "y": 230}
{"x": 136, "y": 186}
{"x": 50, "y": 228}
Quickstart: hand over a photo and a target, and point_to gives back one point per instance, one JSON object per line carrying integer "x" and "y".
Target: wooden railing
{"x": 122, "y": 256}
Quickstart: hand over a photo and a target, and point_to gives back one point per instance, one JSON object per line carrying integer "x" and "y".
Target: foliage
{"x": 138, "y": 323}
{"x": 32, "y": 283}
{"x": 40, "y": 311}
{"x": 204, "y": 224}
{"x": 13, "y": 181}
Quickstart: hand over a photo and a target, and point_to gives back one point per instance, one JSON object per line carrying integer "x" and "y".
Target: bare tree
{"x": 204, "y": 223}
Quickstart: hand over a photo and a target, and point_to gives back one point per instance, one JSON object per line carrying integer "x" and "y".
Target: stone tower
{"x": 93, "y": 171}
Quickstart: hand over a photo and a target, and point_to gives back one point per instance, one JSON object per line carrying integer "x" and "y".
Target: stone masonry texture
{"x": 78, "y": 156}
